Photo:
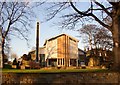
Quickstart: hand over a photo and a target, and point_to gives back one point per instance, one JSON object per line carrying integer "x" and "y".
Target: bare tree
{"x": 13, "y": 55}
{"x": 15, "y": 20}
{"x": 33, "y": 48}
{"x": 103, "y": 39}
{"x": 96, "y": 37}
{"x": 109, "y": 17}
{"x": 88, "y": 32}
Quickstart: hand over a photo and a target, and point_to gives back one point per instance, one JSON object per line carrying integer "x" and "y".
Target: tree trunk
{"x": 3, "y": 55}
{"x": 116, "y": 39}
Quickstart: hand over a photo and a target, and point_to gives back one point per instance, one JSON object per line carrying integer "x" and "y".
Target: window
{"x": 58, "y": 61}
{"x": 61, "y": 61}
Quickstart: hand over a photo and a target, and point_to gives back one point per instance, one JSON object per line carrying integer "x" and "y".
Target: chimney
{"x": 37, "y": 42}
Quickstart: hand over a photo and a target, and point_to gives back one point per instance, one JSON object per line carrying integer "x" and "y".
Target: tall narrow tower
{"x": 37, "y": 42}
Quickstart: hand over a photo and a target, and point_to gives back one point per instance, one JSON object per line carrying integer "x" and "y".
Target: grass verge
{"x": 51, "y": 70}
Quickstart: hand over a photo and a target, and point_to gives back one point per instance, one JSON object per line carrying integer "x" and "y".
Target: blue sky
{"x": 47, "y": 30}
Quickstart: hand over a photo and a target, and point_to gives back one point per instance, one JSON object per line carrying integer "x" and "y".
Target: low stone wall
{"x": 109, "y": 78}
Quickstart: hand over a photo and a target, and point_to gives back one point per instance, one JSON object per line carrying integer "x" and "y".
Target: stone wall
{"x": 109, "y": 78}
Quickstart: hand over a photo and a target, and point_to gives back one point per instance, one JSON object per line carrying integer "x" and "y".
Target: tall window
{"x": 58, "y": 61}
{"x": 63, "y": 61}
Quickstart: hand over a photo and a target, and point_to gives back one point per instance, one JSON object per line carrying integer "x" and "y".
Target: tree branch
{"x": 92, "y": 15}
{"x": 100, "y": 22}
{"x": 21, "y": 34}
{"x": 84, "y": 14}
{"x": 58, "y": 7}
{"x": 112, "y": 3}
{"x": 103, "y": 8}
{"x": 8, "y": 28}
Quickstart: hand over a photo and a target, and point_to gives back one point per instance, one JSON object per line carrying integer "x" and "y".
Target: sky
{"x": 47, "y": 30}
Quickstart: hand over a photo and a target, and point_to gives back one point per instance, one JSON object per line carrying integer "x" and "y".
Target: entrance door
{"x": 53, "y": 62}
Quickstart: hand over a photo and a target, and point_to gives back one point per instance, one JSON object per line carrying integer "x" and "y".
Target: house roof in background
{"x": 81, "y": 50}
{"x": 33, "y": 51}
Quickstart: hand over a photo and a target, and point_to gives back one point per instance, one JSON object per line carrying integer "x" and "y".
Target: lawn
{"x": 51, "y": 70}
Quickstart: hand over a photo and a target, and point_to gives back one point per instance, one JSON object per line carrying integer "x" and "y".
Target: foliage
{"x": 15, "y": 61}
{"x": 26, "y": 57}
{"x": 7, "y": 66}
{"x": 34, "y": 65}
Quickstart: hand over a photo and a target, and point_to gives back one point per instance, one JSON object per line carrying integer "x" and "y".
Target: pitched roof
{"x": 33, "y": 51}
{"x": 59, "y": 36}
{"x": 81, "y": 50}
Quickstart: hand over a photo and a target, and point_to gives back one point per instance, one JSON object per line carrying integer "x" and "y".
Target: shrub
{"x": 34, "y": 65}
{"x": 7, "y": 66}
{"x": 15, "y": 61}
